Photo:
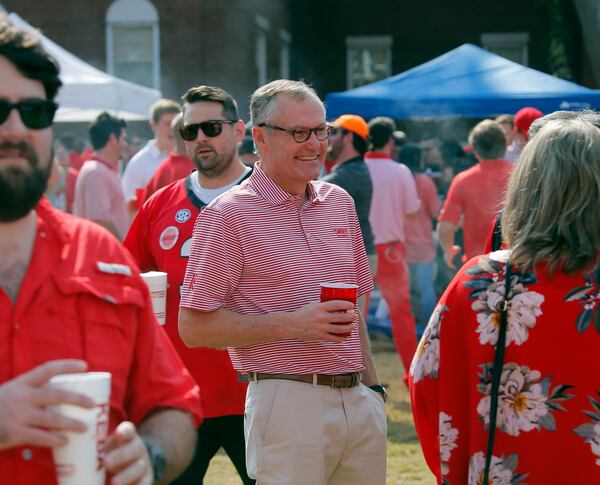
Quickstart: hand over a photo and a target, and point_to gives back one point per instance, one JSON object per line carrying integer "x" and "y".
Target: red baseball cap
{"x": 523, "y": 119}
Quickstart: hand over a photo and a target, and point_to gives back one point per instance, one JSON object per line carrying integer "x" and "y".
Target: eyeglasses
{"x": 35, "y": 113}
{"x": 300, "y": 135}
{"x": 211, "y": 128}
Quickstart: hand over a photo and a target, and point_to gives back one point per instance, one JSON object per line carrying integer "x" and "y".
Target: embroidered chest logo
{"x": 183, "y": 215}
{"x": 192, "y": 282}
{"x": 341, "y": 232}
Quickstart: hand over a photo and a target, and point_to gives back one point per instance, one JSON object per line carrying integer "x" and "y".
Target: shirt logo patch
{"x": 341, "y": 231}
{"x": 183, "y": 215}
{"x": 169, "y": 237}
{"x": 114, "y": 268}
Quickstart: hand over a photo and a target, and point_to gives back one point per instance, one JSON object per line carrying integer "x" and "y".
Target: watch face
{"x": 380, "y": 390}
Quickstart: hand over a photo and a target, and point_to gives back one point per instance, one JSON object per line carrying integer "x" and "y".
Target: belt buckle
{"x": 333, "y": 379}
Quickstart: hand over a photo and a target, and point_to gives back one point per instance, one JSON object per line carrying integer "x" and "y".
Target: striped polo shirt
{"x": 257, "y": 249}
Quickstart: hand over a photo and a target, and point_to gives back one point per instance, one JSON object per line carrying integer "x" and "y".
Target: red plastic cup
{"x": 339, "y": 291}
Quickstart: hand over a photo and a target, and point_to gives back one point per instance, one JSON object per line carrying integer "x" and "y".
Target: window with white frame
{"x": 132, "y": 42}
{"x": 262, "y": 34}
{"x": 368, "y": 59}
{"x": 285, "y": 39}
{"x": 511, "y": 45}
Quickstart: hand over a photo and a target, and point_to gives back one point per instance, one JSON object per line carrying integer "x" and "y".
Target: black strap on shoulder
{"x": 497, "y": 234}
{"x": 497, "y": 374}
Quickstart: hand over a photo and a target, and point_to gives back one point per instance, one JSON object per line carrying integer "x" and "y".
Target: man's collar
{"x": 49, "y": 220}
{"x": 268, "y": 189}
{"x": 107, "y": 164}
{"x": 380, "y": 155}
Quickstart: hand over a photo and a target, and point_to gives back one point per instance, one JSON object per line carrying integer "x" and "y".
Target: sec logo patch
{"x": 183, "y": 215}
{"x": 168, "y": 238}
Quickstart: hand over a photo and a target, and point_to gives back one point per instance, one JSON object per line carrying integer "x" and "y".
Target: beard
{"x": 333, "y": 151}
{"x": 214, "y": 165}
{"x": 21, "y": 187}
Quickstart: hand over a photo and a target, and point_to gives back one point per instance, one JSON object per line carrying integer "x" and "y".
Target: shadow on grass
{"x": 403, "y": 406}
{"x": 401, "y": 432}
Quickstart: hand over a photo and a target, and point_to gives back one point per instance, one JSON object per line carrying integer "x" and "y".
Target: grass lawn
{"x": 405, "y": 461}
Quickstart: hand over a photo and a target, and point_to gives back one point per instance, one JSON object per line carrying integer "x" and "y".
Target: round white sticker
{"x": 168, "y": 238}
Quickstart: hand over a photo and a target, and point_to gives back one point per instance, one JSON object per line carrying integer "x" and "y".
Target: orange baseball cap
{"x": 353, "y": 123}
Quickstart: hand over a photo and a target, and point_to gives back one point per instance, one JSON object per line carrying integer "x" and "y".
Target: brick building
{"x": 172, "y": 45}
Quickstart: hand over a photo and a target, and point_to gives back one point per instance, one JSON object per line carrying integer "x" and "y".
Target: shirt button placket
{"x": 27, "y": 454}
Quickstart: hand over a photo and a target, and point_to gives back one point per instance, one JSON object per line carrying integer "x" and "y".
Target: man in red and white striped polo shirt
{"x": 258, "y": 255}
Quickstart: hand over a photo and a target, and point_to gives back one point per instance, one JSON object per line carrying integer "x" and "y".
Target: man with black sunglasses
{"x": 314, "y": 411}
{"x": 160, "y": 239}
{"x": 71, "y": 300}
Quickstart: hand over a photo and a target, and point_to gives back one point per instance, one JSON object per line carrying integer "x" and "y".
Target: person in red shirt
{"x": 420, "y": 245}
{"x": 176, "y": 166}
{"x": 70, "y": 301}
{"x": 394, "y": 200}
{"x": 506, "y": 376}
{"x": 70, "y": 161}
{"x": 98, "y": 192}
{"x": 160, "y": 240}
{"x": 475, "y": 194}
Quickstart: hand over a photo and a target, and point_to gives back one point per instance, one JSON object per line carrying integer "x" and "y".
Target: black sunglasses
{"x": 211, "y": 128}
{"x": 35, "y": 113}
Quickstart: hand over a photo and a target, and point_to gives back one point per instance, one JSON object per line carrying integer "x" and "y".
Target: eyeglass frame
{"x": 50, "y": 106}
{"x": 294, "y": 131}
{"x": 198, "y": 126}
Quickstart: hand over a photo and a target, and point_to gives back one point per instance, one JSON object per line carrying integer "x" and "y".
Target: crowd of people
{"x": 247, "y": 220}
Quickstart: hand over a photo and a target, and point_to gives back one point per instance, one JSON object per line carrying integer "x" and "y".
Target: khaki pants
{"x": 300, "y": 434}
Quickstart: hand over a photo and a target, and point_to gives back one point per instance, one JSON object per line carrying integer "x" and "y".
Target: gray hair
{"x": 263, "y": 102}
{"x": 584, "y": 115}
{"x": 551, "y": 211}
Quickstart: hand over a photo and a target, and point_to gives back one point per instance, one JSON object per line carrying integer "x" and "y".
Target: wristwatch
{"x": 157, "y": 459}
{"x": 380, "y": 390}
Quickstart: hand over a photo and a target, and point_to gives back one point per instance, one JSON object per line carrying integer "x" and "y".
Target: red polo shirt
{"x": 160, "y": 239}
{"x": 174, "y": 167}
{"x": 257, "y": 249}
{"x": 476, "y": 193}
{"x": 82, "y": 298}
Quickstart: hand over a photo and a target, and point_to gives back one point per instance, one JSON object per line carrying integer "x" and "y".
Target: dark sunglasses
{"x": 35, "y": 113}
{"x": 211, "y": 128}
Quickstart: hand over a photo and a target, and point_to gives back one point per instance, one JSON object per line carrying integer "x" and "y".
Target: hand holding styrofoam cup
{"x": 157, "y": 284}
{"x": 81, "y": 460}
{"x": 339, "y": 291}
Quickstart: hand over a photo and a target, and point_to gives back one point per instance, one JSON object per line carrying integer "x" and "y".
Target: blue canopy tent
{"x": 467, "y": 81}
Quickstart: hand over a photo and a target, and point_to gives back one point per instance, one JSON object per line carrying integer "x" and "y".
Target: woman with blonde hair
{"x": 505, "y": 384}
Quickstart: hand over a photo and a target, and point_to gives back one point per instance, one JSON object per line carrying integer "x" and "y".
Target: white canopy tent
{"x": 88, "y": 91}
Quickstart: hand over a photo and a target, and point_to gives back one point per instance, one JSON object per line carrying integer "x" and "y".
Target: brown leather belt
{"x": 336, "y": 380}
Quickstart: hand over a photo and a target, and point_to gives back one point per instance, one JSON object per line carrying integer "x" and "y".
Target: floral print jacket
{"x": 548, "y": 421}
